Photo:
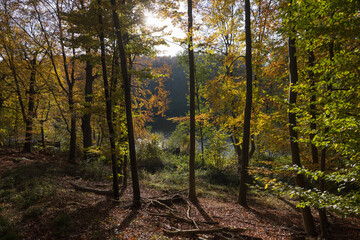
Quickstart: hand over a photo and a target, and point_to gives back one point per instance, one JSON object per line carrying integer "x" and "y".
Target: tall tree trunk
{"x": 295, "y": 153}
{"x": 314, "y": 150}
{"x": 31, "y": 104}
{"x": 86, "y": 119}
{"x": 129, "y": 120}
{"x": 72, "y": 151}
{"x": 247, "y": 115}
{"x": 42, "y": 134}
{"x": 109, "y": 116}
{"x": 192, "y": 184}
{"x": 322, "y": 212}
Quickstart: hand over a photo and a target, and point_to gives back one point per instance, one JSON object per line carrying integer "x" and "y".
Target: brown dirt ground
{"x": 99, "y": 217}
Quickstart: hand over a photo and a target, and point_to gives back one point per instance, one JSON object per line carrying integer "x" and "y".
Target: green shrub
{"x": 174, "y": 162}
{"x": 149, "y": 154}
{"x": 94, "y": 170}
{"x": 179, "y": 140}
{"x": 226, "y": 177}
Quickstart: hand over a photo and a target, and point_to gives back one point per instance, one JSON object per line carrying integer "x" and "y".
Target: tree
{"x": 192, "y": 184}
{"x": 23, "y": 58}
{"x": 247, "y": 114}
{"x": 295, "y": 152}
{"x": 223, "y": 40}
{"x": 109, "y": 104}
{"x": 129, "y": 119}
{"x": 58, "y": 44}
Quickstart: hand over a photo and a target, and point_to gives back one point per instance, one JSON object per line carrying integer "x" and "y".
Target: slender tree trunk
{"x": 42, "y": 134}
{"x": 129, "y": 120}
{"x": 70, "y": 80}
{"x": 86, "y": 119}
{"x": 322, "y": 212}
{"x": 108, "y": 101}
{"x": 314, "y": 150}
{"x": 192, "y": 184}
{"x": 72, "y": 151}
{"x": 295, "y": 153}
{"x": 247, "y": 115}
{"x": 30, "y": 113}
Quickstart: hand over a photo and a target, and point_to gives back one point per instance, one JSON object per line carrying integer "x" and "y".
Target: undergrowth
{"x": 8, "y": 231}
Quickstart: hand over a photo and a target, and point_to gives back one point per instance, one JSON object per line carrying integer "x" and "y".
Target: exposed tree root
{"x": 92, "y": 190}
{"x": 205, "y": 215}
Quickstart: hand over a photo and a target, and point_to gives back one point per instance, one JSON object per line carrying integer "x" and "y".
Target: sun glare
{"x": 169, "y": 32}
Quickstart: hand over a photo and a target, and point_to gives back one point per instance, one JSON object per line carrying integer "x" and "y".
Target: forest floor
{"x": 38, "y": 201}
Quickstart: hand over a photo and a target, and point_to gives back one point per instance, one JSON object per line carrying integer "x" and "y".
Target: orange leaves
{"x": 150, "y": 96}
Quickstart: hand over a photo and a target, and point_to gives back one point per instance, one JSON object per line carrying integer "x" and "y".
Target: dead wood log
{"x": 92, "y": 190}
{"x": 190, "y": 233}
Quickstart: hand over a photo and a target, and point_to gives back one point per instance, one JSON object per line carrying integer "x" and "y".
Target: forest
{"x": 250, "y": 132}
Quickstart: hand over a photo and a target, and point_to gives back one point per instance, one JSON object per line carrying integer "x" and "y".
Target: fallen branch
{"x": 192, "y": 232}
{"x": 92, "y": 190}
{"x": 157, "y": 203}
{"x": 188, "y": 216}
{"x": 172, "y": 215}
{"x": 167, "y": 202}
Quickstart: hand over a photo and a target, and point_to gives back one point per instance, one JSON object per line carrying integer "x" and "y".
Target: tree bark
{"x": 86, "y": 119}
{"x": 108, "y": 101}
{"x": 295, "y": 153}
{"x": 31, "y": 104}
{"x": 129, "y": 120}
{"x": 247, "y": 115}
{"x": 42, "y": 134}
{"x": 322, "y": 211}
{"x": 314, "y": 150}
{"x": 192, "y": 184}
{"x": 72, "y": 125}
